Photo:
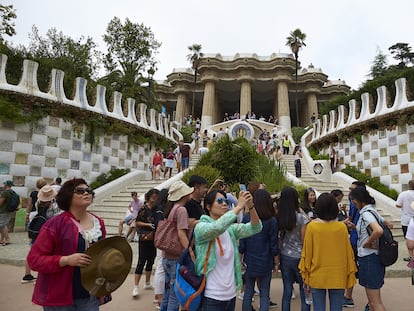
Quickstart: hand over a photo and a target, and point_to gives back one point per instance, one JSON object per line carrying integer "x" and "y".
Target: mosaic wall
{"x": 388, "y": 154}
{"x": 52, "y": 148}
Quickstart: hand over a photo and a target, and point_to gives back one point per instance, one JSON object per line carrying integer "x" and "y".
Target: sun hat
{"x": 46, "y": 193}
{"x": 9, "y": 183}
{"x": 178, "y": 190}
{"x": 111, "y": 264}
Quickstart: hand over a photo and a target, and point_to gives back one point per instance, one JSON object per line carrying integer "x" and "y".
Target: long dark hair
{"x": 263, "y": 204}
{"x": 362, "y": 195}
{"x": 287, "y": 208}
{"x": 305, "y": 204}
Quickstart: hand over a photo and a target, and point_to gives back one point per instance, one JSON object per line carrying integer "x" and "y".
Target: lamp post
{"x": 151, "y": 72}
{"x": 295, "y": 49}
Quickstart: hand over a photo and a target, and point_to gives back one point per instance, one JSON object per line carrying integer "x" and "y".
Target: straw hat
{"x": 46, "y": 194}
{"x": 111, "y": 263}
{"x": 178, "y": 190}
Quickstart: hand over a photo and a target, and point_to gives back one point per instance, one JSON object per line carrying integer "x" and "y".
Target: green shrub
{"x": 108, "y": 177}
{"x": 297, "y": 133}
{"x": 187, "y": 131}
{"x": 316, "y": 156}
{"x": 236, "y": 160}
{"x": 373, "y": 182}
{"x": 271, "y": 175}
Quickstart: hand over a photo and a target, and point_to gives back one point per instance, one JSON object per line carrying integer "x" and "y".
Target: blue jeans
{"x": 169, "y": 300}
{"x": 290, "y": 275}
{"x": 264, "y": 288}
{"x": 84, "y": 304}
{"x": 185, "y": 162}
{"x": 336, "y": 299}
{"x": 209, "y": 304}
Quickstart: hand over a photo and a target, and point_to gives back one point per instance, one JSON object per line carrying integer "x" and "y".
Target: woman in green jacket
{"x": 224, "y": 269}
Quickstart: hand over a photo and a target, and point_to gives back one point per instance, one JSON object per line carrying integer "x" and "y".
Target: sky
{"x": 342, "y": 36}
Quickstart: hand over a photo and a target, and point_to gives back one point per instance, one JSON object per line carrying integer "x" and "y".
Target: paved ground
{"x": 397, "y": 292}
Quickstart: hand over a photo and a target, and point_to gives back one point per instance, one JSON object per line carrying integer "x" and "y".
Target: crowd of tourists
{"x": 315, "y": 242}
{"x": 241, "y": 240}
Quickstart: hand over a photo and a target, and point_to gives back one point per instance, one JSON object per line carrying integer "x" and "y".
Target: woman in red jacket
{"x": 58, "y": 252}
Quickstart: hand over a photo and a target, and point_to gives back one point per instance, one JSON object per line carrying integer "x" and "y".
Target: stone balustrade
{"x": 28, "y": 85}
{"x": 339, "y": 121}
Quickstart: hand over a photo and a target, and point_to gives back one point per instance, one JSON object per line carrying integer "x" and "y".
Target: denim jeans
{"x": 264, "y": 288}
{"x": 290, "y": 275}
{"x": 84, "y": 304}
{"x": 336, "y": 299}
{"x": 209, "y": 304}
{"x": 169, "y": 300}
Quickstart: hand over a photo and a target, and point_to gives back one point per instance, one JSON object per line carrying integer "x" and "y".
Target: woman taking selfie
{"x": 224, "y": 269}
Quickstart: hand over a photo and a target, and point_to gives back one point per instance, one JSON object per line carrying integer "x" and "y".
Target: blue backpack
{"x": 188, "y": 286}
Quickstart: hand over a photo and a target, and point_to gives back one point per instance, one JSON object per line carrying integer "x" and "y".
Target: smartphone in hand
{"x": 243, "y": 187}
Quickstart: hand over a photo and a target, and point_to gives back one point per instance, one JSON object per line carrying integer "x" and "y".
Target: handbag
{"x": 166, "y": 236}
{"x": 188, "y": 286}
{"x": 148, "y": 236}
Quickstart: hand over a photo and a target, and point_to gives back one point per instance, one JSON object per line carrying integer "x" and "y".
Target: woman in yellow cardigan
{"x": 327, "y": 261}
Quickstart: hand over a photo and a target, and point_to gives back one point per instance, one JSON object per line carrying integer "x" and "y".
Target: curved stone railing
{"x": 338, "y": 121}
{"x": 28, "y": 85}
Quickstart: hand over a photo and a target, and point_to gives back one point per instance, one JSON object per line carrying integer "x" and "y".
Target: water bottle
{"x": 308, "y": 295}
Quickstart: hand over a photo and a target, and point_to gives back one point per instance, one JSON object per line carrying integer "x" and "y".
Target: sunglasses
{"x": 221, "y": 200}
{"x": 83, "y": 190}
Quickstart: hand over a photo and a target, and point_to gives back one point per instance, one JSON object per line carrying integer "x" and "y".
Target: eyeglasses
{"x": 220, "y": 200}
{"x": 83, "y": 190}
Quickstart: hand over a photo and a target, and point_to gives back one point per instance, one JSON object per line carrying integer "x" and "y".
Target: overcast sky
{"x": 342, "y": 35}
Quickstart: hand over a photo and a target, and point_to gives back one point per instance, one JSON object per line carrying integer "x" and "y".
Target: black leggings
{"x": 146, "y": 253}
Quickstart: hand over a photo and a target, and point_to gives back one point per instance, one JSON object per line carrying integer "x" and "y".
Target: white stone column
{"x": 283, "y": 106}
{"x": 180, "y": 109}
{"x": 208, "y": 104}
{"x": 245, "y": 98}
{"x": 312, "y": 107}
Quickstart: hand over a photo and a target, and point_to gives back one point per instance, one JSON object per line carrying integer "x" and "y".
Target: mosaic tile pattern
{"x": 53, "y": 148}
{"x": 389, "y": 156}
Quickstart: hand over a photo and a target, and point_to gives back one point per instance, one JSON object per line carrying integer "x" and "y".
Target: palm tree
{"x": 295, "y": 41}
{"x": 194, "y": 58}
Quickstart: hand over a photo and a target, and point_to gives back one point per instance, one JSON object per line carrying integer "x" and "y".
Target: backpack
{"x": 387, "y": 246}
{"x": 188, "y": 286}
{"x": 35, "y": 225}
{"x": 14, "y": 201}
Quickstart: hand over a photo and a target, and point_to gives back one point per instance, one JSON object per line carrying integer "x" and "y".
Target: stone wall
{"x": 387, "y": 154}
{"x": 53, "y": 148}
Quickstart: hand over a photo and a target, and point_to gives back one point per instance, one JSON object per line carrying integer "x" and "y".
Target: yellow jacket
{"x": 327, "y": 258}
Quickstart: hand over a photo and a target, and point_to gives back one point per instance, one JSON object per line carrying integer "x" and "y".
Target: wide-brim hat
{"x": 178, "y": 190}
{"x": 111, "y": 264}
{"x": 46, "y": 194}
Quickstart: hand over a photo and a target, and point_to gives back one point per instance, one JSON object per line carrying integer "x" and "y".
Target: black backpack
{"x": 35, "y": 225}
{"x": 14, "y": 201}
{"x": 387, "y": 246}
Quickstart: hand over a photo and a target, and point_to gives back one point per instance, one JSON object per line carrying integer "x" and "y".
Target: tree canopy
{"x": 7, "y": 15}
{"x": 132, "y": 48}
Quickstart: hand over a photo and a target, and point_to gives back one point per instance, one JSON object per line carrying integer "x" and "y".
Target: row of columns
{"x": 211, "y": 112}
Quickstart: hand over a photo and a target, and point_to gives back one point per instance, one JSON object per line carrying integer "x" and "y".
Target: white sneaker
{"x": 148, "y": 286}
{"x": 293, "y": 295}
{"x": 241, "y": 296}
{"x": 135, "y": 291}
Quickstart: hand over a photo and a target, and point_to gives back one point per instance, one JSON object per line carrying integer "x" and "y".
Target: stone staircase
{"x": 113, "y": 207}
{"x": 321, "y": 186}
